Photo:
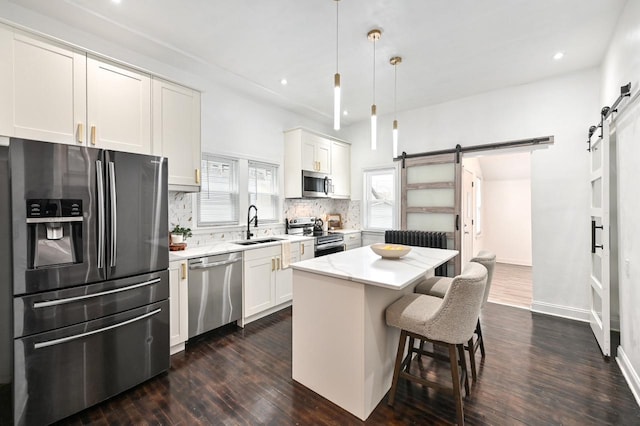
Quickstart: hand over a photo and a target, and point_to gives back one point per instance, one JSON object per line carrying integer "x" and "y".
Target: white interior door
{"x": 468, "y": 209}
{"x": 599, "y": 277}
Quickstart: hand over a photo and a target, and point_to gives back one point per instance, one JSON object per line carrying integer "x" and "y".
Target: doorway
{"x": 499, "y": 203}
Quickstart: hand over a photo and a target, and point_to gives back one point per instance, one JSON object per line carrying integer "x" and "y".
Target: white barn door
{"x": 599, "y": 277}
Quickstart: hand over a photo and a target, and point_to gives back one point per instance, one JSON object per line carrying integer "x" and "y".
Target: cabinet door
{"x": 306, "y": 250}
{"x": 353, "y": 240}
{"x": 49, "y": 90}
{"x": 284, "y": 282}
{"x": 341, "y": 169}
{"x": 259, "y": 277}
{"x": 118, "y": 107}
{"x": 178, "y": 303}
{"x": 323, "y": 155}
{"x": 176, "y": 132}
{"x": 309, "y": 152}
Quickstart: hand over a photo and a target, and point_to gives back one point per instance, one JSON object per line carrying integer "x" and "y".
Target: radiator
{"x": 420, "y": 239}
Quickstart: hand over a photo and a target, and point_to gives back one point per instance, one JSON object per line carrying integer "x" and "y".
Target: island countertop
{"x": 364, "y": 266}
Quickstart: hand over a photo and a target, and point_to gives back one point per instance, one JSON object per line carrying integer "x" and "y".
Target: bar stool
{"x": 448, "y": 322}
{"x": 437, "y": 286}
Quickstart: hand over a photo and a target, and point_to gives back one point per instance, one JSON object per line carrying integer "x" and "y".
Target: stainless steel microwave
{"x": 316, "y": 184}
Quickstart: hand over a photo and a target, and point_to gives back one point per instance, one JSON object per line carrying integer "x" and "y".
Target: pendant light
{"x": 395, "y": 61}
{"x": 374, "y": 35}
{"x": 336, "y": 82}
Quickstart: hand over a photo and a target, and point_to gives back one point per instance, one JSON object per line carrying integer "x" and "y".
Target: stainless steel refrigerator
{"x": 90, "y": 281}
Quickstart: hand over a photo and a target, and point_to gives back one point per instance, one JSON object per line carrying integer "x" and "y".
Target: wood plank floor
{"x": 512, "y": 285}
{"x": 539, "y": 370}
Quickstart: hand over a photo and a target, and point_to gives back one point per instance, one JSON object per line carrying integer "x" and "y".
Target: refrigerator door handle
{"x": 89, "y": 333}
{"x": 101, "y": 212}
{"x": 114, "y": 212}
{"x": 47, "y": 303}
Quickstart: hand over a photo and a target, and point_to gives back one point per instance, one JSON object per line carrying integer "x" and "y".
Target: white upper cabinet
{"x": 304, "y": 150}
{"x": 316, "y": 152}
{"x": 43, "y": 89}
{"x": 118, "y": 107}
{"x": 341, "y": 169}
{"x": 176, "y": 133}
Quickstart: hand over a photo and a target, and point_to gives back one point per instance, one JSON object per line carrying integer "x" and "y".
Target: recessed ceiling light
{"x": 345, "y": 112}
{"x": 116, "y": 1}
{"x": 283, "y": 81}
{"x": 558, "y": 56}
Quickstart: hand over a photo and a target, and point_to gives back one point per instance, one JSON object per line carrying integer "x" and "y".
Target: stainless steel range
{"x": 325, "y": 242}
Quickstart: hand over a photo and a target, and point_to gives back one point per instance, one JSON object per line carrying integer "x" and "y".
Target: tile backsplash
{"x": 181, "y": 213}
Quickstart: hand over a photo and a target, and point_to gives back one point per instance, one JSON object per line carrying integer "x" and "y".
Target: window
{"x": 218, "y": 197}
{"x": 380, "y": 199}
{"x": 478, "y": 222}
{"x": 263, "y": 190}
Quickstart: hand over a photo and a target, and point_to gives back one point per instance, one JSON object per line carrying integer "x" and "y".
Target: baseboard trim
{"x": 518, "y": 262}
{"x": 561, "y": 311}
{"x": 630, "y": 375}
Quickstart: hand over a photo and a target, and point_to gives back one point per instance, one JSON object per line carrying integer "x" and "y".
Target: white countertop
{"x": 345, "y": 231}
{"x": 363, "y": 265}
{"x": 229, "y": 247}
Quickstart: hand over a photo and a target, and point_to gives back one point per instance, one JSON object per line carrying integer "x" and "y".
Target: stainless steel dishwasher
{"x": 215, "y": 292}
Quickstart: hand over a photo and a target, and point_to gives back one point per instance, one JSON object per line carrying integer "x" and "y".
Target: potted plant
{"x": 179, "y": 234}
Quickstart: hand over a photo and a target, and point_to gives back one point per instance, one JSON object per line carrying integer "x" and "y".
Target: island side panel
{"x": 381, "y": 343}
{"x": 328, "y": 339}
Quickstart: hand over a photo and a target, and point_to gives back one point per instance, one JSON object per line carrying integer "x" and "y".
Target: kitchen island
{"x": 342, "y": 347}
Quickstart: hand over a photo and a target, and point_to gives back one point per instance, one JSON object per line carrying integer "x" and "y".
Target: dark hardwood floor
{"x": 539, "y": 370}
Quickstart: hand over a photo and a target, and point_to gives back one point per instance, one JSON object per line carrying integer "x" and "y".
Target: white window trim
{"x": 243, "y": 190}
{"x": 196, "y": 216}
{"x": 396, "y": 201}
{"x": 278, "y": 206}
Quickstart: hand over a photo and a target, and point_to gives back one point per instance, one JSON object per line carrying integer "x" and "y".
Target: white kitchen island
{"x": 342, "y": 347}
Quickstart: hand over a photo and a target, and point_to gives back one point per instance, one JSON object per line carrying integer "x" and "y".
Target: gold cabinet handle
{"x": 301, "y": 248}
{"x": 80, "y": 135}
{"x": 183, "y": 266}
{"x": 93, "y": 135}
{"x": 198, "y": 176}
{"x": 278, "y": 263}
{"x": 273, "y": 264}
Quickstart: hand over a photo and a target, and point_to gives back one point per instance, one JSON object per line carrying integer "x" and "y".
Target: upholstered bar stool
{"x": 447, "y": 322}
{"x": 437, "y": 286}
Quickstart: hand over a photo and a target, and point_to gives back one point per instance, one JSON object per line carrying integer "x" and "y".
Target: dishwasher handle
{"x": 201, "y": 265}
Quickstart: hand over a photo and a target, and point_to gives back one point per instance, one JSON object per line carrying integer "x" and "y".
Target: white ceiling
{"x": 450, "y": 49}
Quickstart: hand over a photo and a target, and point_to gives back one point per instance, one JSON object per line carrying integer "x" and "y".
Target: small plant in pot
{"x": 180, "y": 234}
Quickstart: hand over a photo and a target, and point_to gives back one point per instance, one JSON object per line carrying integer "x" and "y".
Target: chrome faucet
{"x": 253, "y": 219}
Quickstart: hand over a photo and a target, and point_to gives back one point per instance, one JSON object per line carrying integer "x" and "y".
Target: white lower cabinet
{"x": 178, "y": 305}
{"x": 267, "y": 286}
{"x": 353, "y": 240}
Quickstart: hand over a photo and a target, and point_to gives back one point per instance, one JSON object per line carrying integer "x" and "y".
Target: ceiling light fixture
{"x": 558, "y": 56}
{"x": 374, "y": 36}
{"x": 336, "y": 82}
{"x": 395, "y": 61}
{"x": 284, "y": 81}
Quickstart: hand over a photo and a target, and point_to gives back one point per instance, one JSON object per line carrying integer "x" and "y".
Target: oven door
{"x": 315, "y": 184}
{"x": 324, "y": 249}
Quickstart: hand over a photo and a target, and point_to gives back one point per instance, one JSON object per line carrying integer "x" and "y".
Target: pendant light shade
{"x": 374, "y": 36}
{"x": 336, "y": 82}
{"x": 395, "y": 61}
{"x": 395, "y": 138}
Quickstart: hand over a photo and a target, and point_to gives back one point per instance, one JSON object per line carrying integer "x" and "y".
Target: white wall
{"x": 622, "y": 65}
{"x": 507, "y": 220}
{"x": 473, "y": 165}
{"x": 563, "y": 107}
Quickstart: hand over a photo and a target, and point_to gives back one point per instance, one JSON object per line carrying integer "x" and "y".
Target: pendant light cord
{"x": 395, "y": 91}
{"x": 374, "y": 71}
{"x": 337, "y": 35}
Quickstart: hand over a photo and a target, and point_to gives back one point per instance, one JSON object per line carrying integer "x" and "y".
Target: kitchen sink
{"x": 260, "y": 241}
